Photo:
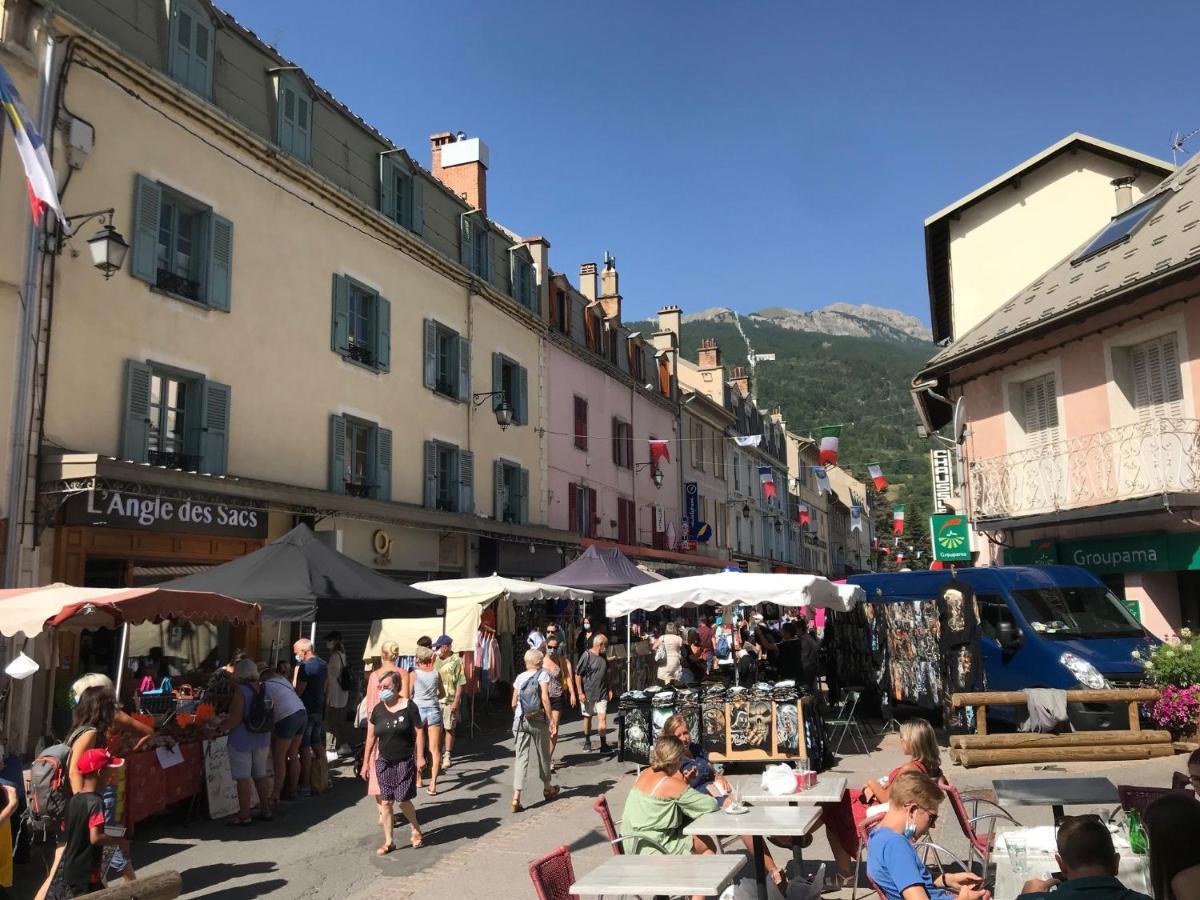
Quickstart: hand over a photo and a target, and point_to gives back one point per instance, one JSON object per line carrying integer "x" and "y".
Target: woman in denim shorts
{"x": 290, "y": 719}
{"x": 248, "y": 750}
{"x": 426, "y": 692}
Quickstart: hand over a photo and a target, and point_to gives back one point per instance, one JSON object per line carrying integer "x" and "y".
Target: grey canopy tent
{"x": 602, "y": 570}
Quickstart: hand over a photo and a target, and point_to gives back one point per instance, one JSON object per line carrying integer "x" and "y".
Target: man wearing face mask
{"x": 892, "y": 861}
{"x": 312, "y": 681}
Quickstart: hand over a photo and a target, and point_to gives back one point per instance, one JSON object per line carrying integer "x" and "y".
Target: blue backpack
{"x": 530, "y": 698}
{"x": 722, "y": 648}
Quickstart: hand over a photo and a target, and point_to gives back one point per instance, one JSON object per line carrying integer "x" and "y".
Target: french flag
{"x": 43, "y": 191}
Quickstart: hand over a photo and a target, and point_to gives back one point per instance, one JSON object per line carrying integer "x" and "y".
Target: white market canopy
{"x": 466, "y": 599}
{"x": 734, "y": 589}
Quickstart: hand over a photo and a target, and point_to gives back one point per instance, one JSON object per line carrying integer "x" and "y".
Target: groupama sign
{"x": 951, "y": 538}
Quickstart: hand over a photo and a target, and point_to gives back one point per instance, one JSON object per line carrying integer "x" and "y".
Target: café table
{"x": 1056, "y": 792}
{"x": 759, "y": 822}
{"x": 1040, "y": 847}
{"x": 828, "y": 789}
{"x": 670, "y": 876}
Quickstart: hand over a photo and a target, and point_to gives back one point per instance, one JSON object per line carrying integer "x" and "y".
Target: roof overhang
{"x": 1142, "y": 506}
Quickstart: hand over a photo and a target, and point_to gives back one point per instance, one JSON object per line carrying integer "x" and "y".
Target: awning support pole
{"x": 121, "y": 659}
{"x": 276, "y": 646}
{"x": 628, "y": 653}
{"x": 52, "y": 636}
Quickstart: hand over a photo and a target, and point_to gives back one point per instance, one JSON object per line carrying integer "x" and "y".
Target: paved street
{"x": 324, "y": 847}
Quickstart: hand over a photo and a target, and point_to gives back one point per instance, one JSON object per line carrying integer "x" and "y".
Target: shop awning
{"x": 602, "y": 570}
{"x": 28, "y": 611}
{"x": 299, "y": 578}
{"x": 730, "y": 589}
{"x": 466, "y": 599}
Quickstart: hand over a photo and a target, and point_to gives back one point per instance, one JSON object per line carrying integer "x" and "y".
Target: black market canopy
{"x": 602, "y": 570}
{"x": 299, "y": 578}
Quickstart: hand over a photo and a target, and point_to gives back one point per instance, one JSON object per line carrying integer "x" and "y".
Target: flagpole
{"x": 31, "y": 296}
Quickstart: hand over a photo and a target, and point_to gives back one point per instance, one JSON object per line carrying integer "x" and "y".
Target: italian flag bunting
{"x": 829, "y": 445}
{"x": 881, "y": 483}
{"x": 898, "y": 520}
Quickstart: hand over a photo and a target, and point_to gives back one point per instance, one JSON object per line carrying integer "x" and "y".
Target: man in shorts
{"x": 591, "y": 682}
{"x": 450, "y": 669}
{"x": 312, "y": 680}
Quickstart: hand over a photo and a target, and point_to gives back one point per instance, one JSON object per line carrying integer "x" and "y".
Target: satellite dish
{"x": 960, "y": 420}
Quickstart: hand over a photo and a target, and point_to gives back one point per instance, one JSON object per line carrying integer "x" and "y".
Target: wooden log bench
{"x": 983, "y": 749}
{"x": 162, "y": 886}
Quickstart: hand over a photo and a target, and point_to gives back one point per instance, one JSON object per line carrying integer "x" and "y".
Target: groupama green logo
{"x": 949, "y": 535}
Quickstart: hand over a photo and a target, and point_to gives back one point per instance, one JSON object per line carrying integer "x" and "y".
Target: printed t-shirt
{"x": 450, "y": 670}
{"x": 396, "y": 731}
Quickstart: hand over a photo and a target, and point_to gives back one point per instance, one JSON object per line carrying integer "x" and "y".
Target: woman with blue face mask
{"x": 392, "y": 731}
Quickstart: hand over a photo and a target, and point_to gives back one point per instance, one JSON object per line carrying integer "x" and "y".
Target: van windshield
{"x": 1076, "y": 612}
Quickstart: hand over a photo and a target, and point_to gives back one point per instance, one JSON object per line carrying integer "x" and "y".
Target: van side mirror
{"x": 1006, "y": 635}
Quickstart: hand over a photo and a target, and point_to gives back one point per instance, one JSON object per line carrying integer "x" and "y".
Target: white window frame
{"x": 1119, "y": 367}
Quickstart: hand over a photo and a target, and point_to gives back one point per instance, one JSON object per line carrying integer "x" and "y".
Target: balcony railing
{"x": 177, "y": 284}
{"x": 171, "y": 460}
{"x": 1157, "y": 456}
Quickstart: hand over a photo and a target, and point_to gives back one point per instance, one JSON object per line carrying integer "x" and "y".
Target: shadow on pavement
{"x": 200, "y": 877}
{"x": 245, "y": 891}
{"x": 435, "y": 808}
{"x": 462, "y": 831}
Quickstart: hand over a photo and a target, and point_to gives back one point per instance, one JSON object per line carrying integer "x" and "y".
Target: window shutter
{"x": 214, "y": 434}
{"x": 616, "y": 441}
{"x": 591, "y": 512}
{"x": 498, "y": 383}
{"x": 464, "y": 369}
{"x": 337, "y": 454}
{"x": 576, "y": 313}
{"x": 498, "y": 492}
{"x": 523, "y": 478}
{"x": 431, "y": 354}
{"x": 200, "y": 63}
{"x": 388, "y": 174}
{"x": 417, "y": 203}
{"x": 629, "y": 446}
{"x": 467, "y": 242}
{"x": 1158, "y": 387}
{"x": 466, "y": 481}
{"x": 383, "y": 334}
{"x": 573, "y": 508}
{"x": 1041, "y": 411}
{"x": 522, "y": 407}
{"x": 181, "y": 42}
{"x": 431, "y": 473}
{"x": 147, "y": 203}
{"x": 339, "y": 334}
{"x": 514, "y": 276}
{"x": 383, "y": 464}
{"x": 220, "y": 261}
{"x": 304, "y": 109}
{"x": 487, "y": 260}
{"x": 135, "y": 435}
{"x": 285, "y": 115}
{"x": 581, "y": 416}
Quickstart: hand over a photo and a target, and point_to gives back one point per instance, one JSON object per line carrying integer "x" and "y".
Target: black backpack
{"x": 50, "y": 784}
{"x": 346, "y": 677}
{"x": 259, "y": 717}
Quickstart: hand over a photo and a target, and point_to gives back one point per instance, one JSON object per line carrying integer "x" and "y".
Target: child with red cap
{"x": 79, "y": 870}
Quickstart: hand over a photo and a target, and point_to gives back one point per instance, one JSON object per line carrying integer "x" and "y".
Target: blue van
{"x": 1043, "y": 626}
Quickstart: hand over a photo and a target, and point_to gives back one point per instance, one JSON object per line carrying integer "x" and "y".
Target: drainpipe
{"x": 31, "y": 301}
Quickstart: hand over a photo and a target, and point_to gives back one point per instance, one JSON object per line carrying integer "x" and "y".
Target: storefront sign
{"x": 152, "y": 512}
{"x": 942, "y": 465}
{"x": 951, "y": 538}
{"x": 1103, "y": 556}
{"x": 691, "y": 503}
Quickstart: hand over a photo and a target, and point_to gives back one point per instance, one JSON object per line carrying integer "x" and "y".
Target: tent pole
{"x": 121, "y": 660}
{"x": 312, "y": 635}
{"x": 628, "y": 653}
{"x": 275, "y": 646}
{"x": 52, "y": 636}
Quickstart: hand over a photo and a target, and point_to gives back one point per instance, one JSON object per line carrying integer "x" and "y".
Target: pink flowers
{"x": 1177, "y": 710}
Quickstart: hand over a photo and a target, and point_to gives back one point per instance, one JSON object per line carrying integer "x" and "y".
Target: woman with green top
{"x": 660, "y": 804}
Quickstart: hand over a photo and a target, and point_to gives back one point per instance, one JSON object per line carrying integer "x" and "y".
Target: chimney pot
{"x": 587, "y": 280}
{"x": 709, "y": 356}
{"x": 1123, "y": 187}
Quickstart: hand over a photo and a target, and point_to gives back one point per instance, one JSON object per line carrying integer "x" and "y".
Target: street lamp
{"x": 107, "y": 246}
{"x": 504, "y": 413}
{"x": 656, "y": 474}
{"x": 745, "y": 510}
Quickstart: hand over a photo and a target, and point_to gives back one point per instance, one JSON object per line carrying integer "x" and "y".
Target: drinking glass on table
{"x": 1017, "y": 851}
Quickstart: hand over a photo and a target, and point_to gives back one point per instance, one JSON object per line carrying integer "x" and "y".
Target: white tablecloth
{"x": 1040, "y": 863}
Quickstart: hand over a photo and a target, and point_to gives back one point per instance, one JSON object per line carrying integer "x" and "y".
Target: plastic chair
{"x": 615, "y": 839}
{"x": 978, "y": 843}
{"x": 552, "y": 875}
{"x": 845, "y": 719}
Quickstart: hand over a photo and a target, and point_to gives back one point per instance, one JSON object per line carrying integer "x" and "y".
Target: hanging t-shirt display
{"x": 958, "y": 611}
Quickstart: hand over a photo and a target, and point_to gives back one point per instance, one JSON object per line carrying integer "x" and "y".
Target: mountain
{"x": 840, "y": 319}
{"x": 824, "y": 376}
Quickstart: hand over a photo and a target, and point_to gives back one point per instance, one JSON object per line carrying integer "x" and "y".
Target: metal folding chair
{"x": 847, "y": 721}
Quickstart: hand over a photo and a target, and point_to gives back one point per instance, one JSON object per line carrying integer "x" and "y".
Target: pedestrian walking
{"x": 532, "y": 728}
{"x": 391, "y": 743}
{"x": 389, "y": 652}
{"x": 249, "y": 747}
{"x": 290, "y": 720}
{"x": 427, "y": 694}
{"x": 591, "y": 684}
{"x": 450, "y": 669}
{"x": 561, "y": 687}
{"x": 705, "y": 636}
{"x": 341, "y": 683}
{"x": 583, "y": 640}
{"x": 668, "y": 652}
{"x": 312, "y": 680}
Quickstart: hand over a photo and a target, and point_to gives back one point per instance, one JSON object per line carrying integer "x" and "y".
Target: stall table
{"x": 151, "y": 789}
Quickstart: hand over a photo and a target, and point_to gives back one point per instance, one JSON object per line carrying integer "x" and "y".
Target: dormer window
{"x": 293, "y": 124}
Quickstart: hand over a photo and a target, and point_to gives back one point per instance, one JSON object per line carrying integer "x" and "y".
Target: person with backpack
{"x": 290, "y": 721}
{"x": 532, "y": 727}
{"x": 723, "y": 660}
{"x": 250, "y": 724}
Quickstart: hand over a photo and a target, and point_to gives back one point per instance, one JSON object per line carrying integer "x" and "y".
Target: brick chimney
{"x": 669, "y": 320}
{"x": 741, "y": 381}
{"x": 587, "y": 281}
{"x": 461, "y": 164}
{"x": 709, "y": 356}
{"x": 610, "y": 296}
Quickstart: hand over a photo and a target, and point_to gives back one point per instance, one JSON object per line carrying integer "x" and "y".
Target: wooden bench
{"x": 163, "y": 886}
{"x": 983, "y": 749}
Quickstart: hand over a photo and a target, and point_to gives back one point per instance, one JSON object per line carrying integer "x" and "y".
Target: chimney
{"x": 610, "y": 296}
{"x": 741, "y": 381}
{"x": 461, "y": 164}
{"x": 709, "y": 356}
{"x": 539, "y": 248}
{"x": 587, "y": 281}
{"x": 1124, "y": 188}
{"x": 669, "y": 320}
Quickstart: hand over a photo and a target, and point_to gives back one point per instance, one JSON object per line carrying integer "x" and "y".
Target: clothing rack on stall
{"x": 484, "y": 683}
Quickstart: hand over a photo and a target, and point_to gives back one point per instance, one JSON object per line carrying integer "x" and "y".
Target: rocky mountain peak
{"x": 863, "y": 320}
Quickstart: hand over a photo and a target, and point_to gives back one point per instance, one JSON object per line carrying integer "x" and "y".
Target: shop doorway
{"x": 1189, "y": 600}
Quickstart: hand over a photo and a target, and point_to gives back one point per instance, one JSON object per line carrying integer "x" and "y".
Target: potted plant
{"x": 1175, "y": 669}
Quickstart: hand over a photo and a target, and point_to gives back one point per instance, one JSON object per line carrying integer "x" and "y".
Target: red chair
{"x": 978, "y": 842}
{"x": 864, "y": 829}
{"x": 615, "y": 839}
{"x": 1138, "y": 798}
{"x": 552, "y": 875}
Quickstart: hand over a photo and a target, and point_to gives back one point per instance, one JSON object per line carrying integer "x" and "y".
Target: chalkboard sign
{"x": 222, "y": 792}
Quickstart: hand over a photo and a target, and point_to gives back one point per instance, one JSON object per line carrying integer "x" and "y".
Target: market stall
{"x": 760, "y": 722}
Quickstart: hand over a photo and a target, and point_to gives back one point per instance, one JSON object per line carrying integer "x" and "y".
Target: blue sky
{"x": 749, "y": 154}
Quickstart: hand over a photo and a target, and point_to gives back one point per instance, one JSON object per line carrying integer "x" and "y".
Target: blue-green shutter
{"x": 285, "y": 115}
{"x": 339, "y": 333}
{"x": 431, "y": 455}
{"x": 498, "y": 382}
{"x": 214, "y": 428}
{"x": 147, "y": 205}
{"x": 467, "y": 242}
{"x": 499, "y": 494}
{"x": 191, "y": 51}
{"x": 220, "y": 262}
{"x": 383, "y": 334}
{"x": 431, "y": 354}
{"x": 200, "y": 65}
{"x": 514, "y": 276}
{"x": 383, "y": 464}
{"x": 466, "y": 481}
{"x": 464, "y": 369}
{"x": 524, "y": 482}
{"x": 387, "y": 187}
{"x": 521, "y": 407}
{"x": 337, "y": 454}
{"x": 418, "y": 203}
{"x": 487, "y": 257}
{"x": 135, "y": 430}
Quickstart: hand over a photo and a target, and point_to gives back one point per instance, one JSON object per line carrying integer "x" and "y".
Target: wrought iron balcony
{"x": 1156, "y": 456}
{"x": 357, "y": 489}
{"x": 360, "y": 353}
{"x": 170, "y": 460}
{"x": 177, "y": 284}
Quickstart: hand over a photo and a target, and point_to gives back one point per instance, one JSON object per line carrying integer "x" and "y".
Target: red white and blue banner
{"x": 767, "y": 478}
{"x": 39, "y": 174}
